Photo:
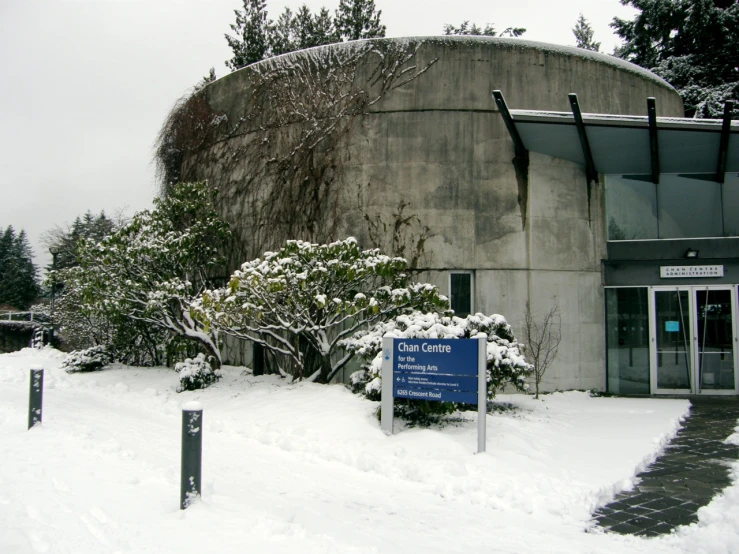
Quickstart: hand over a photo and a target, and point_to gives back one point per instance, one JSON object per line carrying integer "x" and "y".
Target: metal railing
{"x": 31, "y": 316}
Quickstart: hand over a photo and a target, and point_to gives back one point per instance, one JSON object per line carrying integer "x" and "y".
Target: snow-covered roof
{"x": 474, "y": 41}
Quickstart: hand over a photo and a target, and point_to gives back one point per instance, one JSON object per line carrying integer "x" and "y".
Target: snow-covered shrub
{"x": 90, "y": 359}
{"x": 505, "y": 363}
{"x": 300, "y": 302}
{"x": 142, "y": 278}
{"x": 196, "y": 373}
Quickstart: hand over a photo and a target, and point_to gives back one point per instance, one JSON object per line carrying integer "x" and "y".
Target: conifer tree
{"x": 19, "y": 285}
{"x": 472, "y": 29}
{"x": 250, "y": 44}
{"x": 358, "y": 19}
{"x": 323, "y": 29}
{"x": 584, "y": 35}
{"x": 692, "y": 44}
{"x": 64, "y": 239}
{"x": 282, "y": 34}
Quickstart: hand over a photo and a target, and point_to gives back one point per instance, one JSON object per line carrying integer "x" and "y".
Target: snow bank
{"x": 306, "y": 468}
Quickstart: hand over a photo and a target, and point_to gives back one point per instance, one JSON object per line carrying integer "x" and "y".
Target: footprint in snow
{"x": 37, "y": 543}
{"x": 94, "y": 530}
{"x": 99, "y": 515}
{"x": 61, "y": 486}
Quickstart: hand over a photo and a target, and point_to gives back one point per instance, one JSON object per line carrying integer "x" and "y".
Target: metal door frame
{"x": 693, "y": 359}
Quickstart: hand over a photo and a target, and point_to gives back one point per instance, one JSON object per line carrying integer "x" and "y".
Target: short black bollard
{"x": 192, "y": 453}
{"x": 35, "y": 396}
{"x": 257, "y": 359}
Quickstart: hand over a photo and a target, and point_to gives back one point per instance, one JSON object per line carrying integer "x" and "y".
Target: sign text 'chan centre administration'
{"x": 440, "y": 370}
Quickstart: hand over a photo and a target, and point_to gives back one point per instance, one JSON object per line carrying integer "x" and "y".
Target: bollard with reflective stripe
{"x": 35, "y": 396}
{"x": 192, "y": 449}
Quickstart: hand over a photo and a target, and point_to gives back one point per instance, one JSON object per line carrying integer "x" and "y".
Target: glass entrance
{"x": 715, "y": 348}
{"x": 694, "y": 337}
{"x": 673, "y": 341}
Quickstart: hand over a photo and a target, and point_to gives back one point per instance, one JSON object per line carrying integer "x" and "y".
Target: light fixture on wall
{"x": 690, "y": 253}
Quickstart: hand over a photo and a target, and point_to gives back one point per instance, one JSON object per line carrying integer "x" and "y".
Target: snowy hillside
{"x": 305, "y": 468}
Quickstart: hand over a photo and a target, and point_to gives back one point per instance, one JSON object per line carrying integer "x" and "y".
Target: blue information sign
{"x": 442, "y": 370}
{"x": 672, "y": 326}
{"x": 437, "y": 395}
{"x": 425, "y": 381}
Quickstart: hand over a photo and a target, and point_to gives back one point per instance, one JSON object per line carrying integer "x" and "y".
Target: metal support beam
{"x": 723, "y": 148}
{"x": 590, "y": 171}
{"x": 520, "y": 159}
{"x": 521, "y": 151}
{"x": 653, "y": 143}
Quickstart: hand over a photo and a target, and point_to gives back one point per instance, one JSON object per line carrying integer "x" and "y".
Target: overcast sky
{"x": 86, "y": 85}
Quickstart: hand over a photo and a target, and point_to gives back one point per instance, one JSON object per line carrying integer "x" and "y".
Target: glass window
{"x": 731, "y": 205}
{"x": 461, "y": 288}
{"x": 627, "y": 340}
{"x": 688, "y": 208}
{"x": 631, "y": 206}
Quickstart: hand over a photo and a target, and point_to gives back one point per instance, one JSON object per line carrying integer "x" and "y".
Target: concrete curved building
{"x": 400, "y": 143}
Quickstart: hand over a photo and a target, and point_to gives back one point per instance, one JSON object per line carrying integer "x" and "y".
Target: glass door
{"x": 715, "y": 340}
{"x": 693, "y": 346}
{"x": 672, "y": 351}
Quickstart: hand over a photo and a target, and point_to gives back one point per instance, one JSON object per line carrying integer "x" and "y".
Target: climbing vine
{"x": 405, "y": 233}
{"x": 277, "y": 154}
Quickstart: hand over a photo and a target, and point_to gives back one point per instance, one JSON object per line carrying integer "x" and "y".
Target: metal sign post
{"x": 482, "y": 394}
{"x": 438, "y": 370}
{"x": 387, "y": 405}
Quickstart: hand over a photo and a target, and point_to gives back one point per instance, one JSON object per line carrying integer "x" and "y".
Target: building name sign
{"x": 683, "y": 271}
{"x": 437, "y": 370}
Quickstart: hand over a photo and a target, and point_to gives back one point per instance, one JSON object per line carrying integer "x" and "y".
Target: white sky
{"x": 86, "y": 85}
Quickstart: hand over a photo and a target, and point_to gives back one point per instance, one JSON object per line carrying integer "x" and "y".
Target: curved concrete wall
{"x": 435, "y": 154}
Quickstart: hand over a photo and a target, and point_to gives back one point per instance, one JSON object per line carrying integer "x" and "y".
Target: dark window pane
{"x": 688, "y": 208}
{"x": 461, "y": 297}
{"x": 631, "y": 208}
{"x": 627, "y": 340}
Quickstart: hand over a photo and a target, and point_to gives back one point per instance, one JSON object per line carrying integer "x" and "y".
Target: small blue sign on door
{"x": 672, "y": 326}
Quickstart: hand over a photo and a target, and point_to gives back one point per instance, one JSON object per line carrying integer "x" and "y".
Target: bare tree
{"x": 541, "y": 335}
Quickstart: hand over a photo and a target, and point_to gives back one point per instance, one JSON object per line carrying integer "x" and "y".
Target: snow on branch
{"x": 302, "y": 301}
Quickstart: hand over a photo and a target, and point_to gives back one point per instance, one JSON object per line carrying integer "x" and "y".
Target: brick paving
{"x": 692, "y": 470}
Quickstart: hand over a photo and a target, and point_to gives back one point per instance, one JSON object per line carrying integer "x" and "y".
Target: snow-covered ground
{"x": 305, "y": 468}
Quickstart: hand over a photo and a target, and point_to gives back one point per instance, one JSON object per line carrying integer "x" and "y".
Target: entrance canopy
{"x": 628, "y": 144}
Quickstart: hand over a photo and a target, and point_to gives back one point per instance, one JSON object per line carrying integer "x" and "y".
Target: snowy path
{"x": 305, "y": 468}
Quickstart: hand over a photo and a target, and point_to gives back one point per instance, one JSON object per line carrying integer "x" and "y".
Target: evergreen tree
{"x": 584, "y": 35}
{"x": 19, "y": 285}
{"x": 303, "y": 24}
{"x": 323, "y": 29}
{"x": 7, "y": 240}
{"x": 358, "y": 19}
{"x": 692, "y": 44}
{"x": 259, "y": 37}
{"x": 207, "y": 79}
{"x": 147, "y": 272}
{"x": 467, "y": 29}
{"x": 250, "y": 44}
{"x": 281, "y": 35}
{"x": 65, "y": 240}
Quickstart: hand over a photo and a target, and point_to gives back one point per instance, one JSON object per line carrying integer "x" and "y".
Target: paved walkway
{"x": 692, "y": 470}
